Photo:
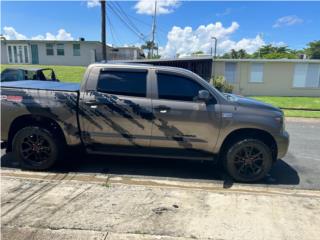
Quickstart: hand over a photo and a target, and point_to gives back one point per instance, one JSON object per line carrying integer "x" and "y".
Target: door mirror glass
{"x": 203, "y": 95}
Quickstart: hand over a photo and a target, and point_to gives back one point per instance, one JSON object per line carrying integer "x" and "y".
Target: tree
{"x": 233, "y": 54}
{"x": 273, "y": 52}
{"x": 242, "y": 53}
{"x": 149, "y": 45}
{"x": 313, "y": 50}
{"x": 279, "y": 55}
{"x": 198, "y": 52}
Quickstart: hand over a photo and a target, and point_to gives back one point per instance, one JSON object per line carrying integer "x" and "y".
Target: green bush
{"x": 221, "y": 84}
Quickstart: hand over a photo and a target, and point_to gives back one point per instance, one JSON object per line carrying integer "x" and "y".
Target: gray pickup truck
{"x": 141, "y": 110}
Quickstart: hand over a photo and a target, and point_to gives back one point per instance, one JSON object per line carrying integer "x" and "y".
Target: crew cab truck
{"x": 141, "y": 110}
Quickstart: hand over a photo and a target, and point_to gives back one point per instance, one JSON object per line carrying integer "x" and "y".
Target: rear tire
{"x": 248, "y": 160}
{"x": 37, "y": 148}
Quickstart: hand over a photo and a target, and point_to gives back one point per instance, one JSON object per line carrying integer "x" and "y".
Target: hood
{"x": 250, "y": 102}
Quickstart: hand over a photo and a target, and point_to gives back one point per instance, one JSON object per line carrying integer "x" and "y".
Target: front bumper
{"x": 282, "y": 144}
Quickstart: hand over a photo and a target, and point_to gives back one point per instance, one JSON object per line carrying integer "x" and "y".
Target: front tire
{"x": 248, "y": 160}
{"x": 36, "y": 148}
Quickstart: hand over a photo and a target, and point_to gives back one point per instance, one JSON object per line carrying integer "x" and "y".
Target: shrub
{"x": 221, "y": 84}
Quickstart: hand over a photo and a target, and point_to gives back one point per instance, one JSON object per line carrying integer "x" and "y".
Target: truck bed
{"x": 42, "y": 85}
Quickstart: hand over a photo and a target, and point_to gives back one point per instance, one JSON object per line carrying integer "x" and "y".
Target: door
{"x": 118, "y": 113}
{"x": 34, "y": 54}
{"x": 182, "y": 122}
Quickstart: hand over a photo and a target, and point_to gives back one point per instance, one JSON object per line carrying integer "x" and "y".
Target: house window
{"x": 60, "y": 49}
{"x": 26, "y": 56}
{"x": 20, "y": 54}
{"x": 15, "y": 54}
{"x": 76, "y": 49}
{"x": 306, "y": 75}
{"x": 230, "y": 72}
{"x": 49, "y": 49}
{"x": 10, "y": 54}
{"x": 256, "y": 75}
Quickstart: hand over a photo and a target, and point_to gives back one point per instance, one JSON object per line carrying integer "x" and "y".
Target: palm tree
{"x": 234, "y": 53}
{"x": 242, "y": 53}
{"x": 149, "y": 45}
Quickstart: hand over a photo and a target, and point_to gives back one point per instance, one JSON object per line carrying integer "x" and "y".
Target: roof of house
{"x": 271, "y": 60}
{"x": 47, "y": 41}
{"x": 225, "y": 60}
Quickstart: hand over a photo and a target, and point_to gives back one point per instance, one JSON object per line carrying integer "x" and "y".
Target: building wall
{"x": 87, "y": 55}
{"x": 90, "y": 52}
{"x": 277, "y": 79}
{"x": 3, "y": 54}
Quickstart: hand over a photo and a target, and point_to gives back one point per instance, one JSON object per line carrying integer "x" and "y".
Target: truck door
{"x": 183, "y": 122}
{"x": 118, "y": 112}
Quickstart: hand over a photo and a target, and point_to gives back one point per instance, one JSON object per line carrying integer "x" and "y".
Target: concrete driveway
{"x": 300, "y": 168}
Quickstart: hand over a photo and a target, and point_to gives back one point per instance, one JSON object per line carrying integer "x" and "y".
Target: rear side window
{"x": 123, "y": 83}
{"x": 173, "y": 87}
{"x": 11, "y": 75}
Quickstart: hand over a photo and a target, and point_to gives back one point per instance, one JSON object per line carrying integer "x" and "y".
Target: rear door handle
{"x": 162, "y": 109}
{"x": 92, "y": 103}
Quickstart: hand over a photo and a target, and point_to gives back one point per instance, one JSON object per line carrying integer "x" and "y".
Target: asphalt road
{"x": 300, "y": 168}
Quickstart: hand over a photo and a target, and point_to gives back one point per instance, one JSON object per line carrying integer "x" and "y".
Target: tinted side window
{"x": 173, "y": 87}
{"x": 11, "y": 75}
{"x": 123, "y": 83}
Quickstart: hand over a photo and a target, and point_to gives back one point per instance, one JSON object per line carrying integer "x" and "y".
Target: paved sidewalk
{"x": 78, "y": 206}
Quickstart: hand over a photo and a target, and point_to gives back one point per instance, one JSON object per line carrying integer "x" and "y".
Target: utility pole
{"x": 215, "y": 47}
{"x": 154, "y": 27}
{"x": 215, "y": 55}
{"x": 103, "y": 30}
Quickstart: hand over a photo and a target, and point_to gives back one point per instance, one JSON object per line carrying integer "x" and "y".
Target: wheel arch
{"x": 33, "y": 120}
{"x": 254, "y": 133}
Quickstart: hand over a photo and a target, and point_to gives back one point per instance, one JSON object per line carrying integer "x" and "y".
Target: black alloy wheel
{"x": 36, "y": 148}
{"x": 248, "y": 160}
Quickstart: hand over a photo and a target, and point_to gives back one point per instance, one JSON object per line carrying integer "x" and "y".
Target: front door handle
{"x": 163, "y": 109}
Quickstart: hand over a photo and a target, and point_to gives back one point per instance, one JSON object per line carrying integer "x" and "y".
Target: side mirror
{"x": 203, "y": 95}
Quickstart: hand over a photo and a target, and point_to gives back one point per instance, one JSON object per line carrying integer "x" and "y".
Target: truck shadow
{"x": 281, "y": 174}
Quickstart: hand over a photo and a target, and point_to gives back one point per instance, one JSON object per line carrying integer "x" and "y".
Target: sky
{"x": 183, "y": 27}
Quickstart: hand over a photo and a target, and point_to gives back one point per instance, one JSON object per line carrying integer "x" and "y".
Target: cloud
{"x": 93, "y": 3}
{"x": 62, "y": 35}
{"x": 185, "y": 41}
{"x": 226, "y": 12}
{"x": 163, "y": 6}
{"x": 287, "y": 21}
{"x": 11, "y": 34}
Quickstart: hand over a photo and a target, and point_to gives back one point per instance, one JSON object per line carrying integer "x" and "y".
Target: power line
{"x": 113, "y": 31}
{"x": 126, "y": 16}
{"x": 130, "y": 27}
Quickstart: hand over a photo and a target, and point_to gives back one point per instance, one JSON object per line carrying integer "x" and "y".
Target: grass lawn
{"x": 295, "y": 102}
{"x": 63, "y": 73}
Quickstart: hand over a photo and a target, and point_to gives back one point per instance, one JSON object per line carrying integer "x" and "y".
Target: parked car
{"x": 141, "y": 110}
{"x": 21, "y": 74}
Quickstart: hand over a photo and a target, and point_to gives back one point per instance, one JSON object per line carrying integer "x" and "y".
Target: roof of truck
{"x": 120, "y": 65}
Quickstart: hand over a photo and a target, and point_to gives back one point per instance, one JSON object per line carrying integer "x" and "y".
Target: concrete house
{"x": 272, "y": 77}
{"x": 52, "y": 52}
{"x": 269, "y": 77}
